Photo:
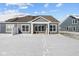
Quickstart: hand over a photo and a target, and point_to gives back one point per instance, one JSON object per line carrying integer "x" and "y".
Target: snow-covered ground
{"x": 74, "y": 35}
{"x": 38, "y": 45}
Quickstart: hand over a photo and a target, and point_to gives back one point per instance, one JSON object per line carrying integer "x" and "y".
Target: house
{"x": 30, "y": 25}
{"x": 71, "y": 23}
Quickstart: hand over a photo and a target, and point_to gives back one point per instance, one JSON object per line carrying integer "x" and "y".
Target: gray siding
{"x": 67, "y": 23}
{"x": 40, "y": 20}
{"x": 2, "y": 28}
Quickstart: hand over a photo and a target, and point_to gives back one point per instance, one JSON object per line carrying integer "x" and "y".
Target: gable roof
{"x": 30, "y": 18}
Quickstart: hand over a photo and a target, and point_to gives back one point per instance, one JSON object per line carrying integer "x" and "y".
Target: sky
{"x": 57, "y": 10}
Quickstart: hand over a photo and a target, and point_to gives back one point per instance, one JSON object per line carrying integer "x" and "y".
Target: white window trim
{"x": 25, "y": 25}
{"x": 52, "y": 25}
{"x": 38, "y": 29}
{"x": 74, "y": 21}
{"x": 11, "y": 27}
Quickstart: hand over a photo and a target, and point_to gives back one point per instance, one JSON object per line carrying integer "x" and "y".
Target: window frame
{"x": 25, "y": 27}
{"x": 9, "y": 26}
{"x": 50, "y": 28}
{"x": 53, "y": 28}
{"x": 40, "y": 28}
{"x": 74, "y": 21}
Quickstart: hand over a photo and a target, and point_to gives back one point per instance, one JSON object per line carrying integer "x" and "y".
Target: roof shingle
{"x": 30, "y": 18}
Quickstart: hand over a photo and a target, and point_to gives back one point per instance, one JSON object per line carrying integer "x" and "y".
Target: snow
{"x": 38, "y": 45}
{"x": 76, "y": 16}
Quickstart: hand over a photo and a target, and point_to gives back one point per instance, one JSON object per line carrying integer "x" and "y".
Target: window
{"x": 43, "y": 28}
{"x": 40, "y": 28}
{"x": 52, "y": 27}
{"x": 74, "y": 21}
{"x": 9, "y": 27}
{"x": 25, "y": 28}
{"x": 74, "y": 28}
{"x": 36, "y": 28}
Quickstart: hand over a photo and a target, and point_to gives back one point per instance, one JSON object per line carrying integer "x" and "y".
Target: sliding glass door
{"x": 39, "y": 28}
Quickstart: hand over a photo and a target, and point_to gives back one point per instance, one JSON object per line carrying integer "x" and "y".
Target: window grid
{"x": 25, "y": 28}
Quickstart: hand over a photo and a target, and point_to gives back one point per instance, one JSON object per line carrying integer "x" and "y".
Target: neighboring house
{"x": 71, "y": 23}
{"x": 30, "y": 24}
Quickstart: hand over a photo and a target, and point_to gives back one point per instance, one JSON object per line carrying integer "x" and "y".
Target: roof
{"x": 75, "y": 16}
{"x": 30, "y": 18}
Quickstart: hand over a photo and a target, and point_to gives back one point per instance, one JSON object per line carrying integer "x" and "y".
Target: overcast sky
{"x": 58, "y": 10}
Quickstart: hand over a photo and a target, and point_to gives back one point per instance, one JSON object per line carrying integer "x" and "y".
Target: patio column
{"x": 31, "y": 28}
{"x": 14, "y": 29}
{"x": 48, "y": 28}
{"x": 17, "y": 28}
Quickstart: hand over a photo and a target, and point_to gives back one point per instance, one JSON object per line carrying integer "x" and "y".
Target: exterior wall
{"x": 77, "y": 28}
{"x": 16, "y": 27}
{"x": 68, "y": 23}
{"x": 2, "y": 28}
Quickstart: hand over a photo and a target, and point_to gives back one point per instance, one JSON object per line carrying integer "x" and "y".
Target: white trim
{"x": 52, "y": 28}
{"x": 25, "y": 28}
{"x": 25, "y": 22}
{"x": 74, "y": 21}
{"x": 48, "y": 28}
{"x": 31, "y": 28}
{"x": 9, "y": 26}
{"x": 40, "y": 22}
{"x": 43, "y": 22}
{"x": 37, "y": 25}
{"x": 40, "y": 17}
